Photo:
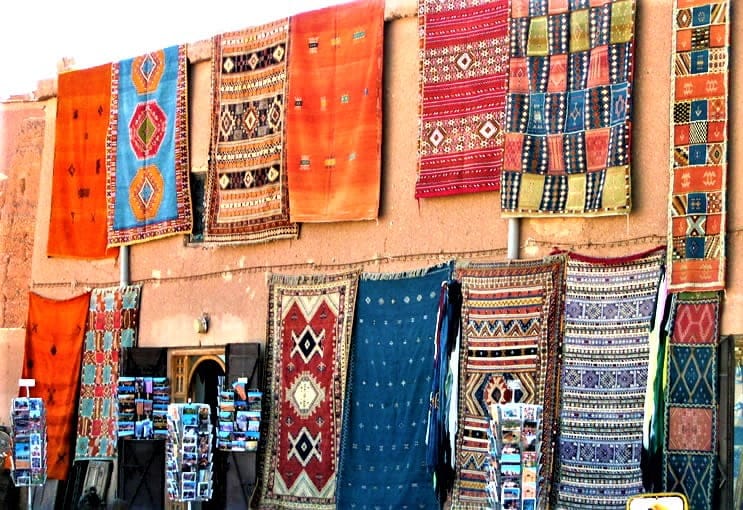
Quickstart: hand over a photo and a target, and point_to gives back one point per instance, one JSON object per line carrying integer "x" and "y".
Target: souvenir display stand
{"x": 28, "y": 418}
{"x": 514, "y": 437}
{"x": 188, "y": 453}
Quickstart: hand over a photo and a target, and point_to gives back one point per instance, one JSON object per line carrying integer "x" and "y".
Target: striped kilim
{"x": 309, "y": 330}
{"x": 567, "y": 142}
{"x": 511, "y": 322}
{"x": 247, "y": 200}
{"x": 690, "y": 452}
{"x": 609, "y": 306}
{"x": 463, "y": 82}
{"x": 699, "y": 106}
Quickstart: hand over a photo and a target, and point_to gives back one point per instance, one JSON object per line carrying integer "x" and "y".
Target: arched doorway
{"x": 203, "y": 384}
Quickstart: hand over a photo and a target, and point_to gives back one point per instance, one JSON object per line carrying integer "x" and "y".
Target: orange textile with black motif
{"x": 77, "y": 226}
{"x": 334, "y": 113}
{"x": 54, "y": 343}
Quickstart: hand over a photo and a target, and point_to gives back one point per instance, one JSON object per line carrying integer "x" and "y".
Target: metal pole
{"x": 513, "y": 238}
{"x": 124, "y": 267}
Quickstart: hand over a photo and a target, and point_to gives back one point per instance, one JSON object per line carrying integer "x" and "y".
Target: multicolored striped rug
{"x": 247, "y": 200}
{"x": 699, "y": 116}
{"x": 567, "y": 147}
{"x": 609, "y": 307}
{"x": 511, "y": 324}
{"x": 691, "y": 393}
{"x": 463, "y": 82}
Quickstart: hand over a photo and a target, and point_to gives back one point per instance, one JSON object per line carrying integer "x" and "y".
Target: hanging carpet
{"x": 112, "y": 324}
{"x": 692, "y": 400}
{"x": 77, "y": 225}
{"x": 334, "y": 116}
{"x": 54, "y": 340}
{"x": 309, "y": 330}
{"x": 567, "y": 146}
{"x": 511, "y": 323}
{"x": 147, "y": 157}
{"x": 383, "y": 451}
{"x": 463, "y": 83}
{"x": 609, "y": 307}
{"x": 246, "y": 191}
{"x": 144, "y": 362}
{"x": 699, "y": 106}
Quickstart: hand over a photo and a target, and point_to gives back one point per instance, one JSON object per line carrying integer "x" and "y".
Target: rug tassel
{"x": 413, "y": 273}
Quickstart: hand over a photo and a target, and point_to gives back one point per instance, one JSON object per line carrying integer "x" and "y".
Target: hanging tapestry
{"x": 54, "y": 342}
{"x": 464, "y": 76}
{"x": 567, "y": 146}
{"x": 383, "y": 451}
{"x": 690, "y": 453}
{"x": 147, "y": 149}
{"x": 334, "y": 116}
{"x": 77, "y": 225}
{"x": 112, "y": 324}
{"x": 246, "y": 191}
{"x": 609, "y": 306}
{"x": 699, "y": 79}
{"x": 309, "y": 330}
{"x": 511, "y": 324}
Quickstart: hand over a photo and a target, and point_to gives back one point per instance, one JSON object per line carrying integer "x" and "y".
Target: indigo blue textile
{"x": 383, "y": 449}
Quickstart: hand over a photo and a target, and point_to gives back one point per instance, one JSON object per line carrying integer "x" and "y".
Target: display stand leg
{"x": 30, "y": 497}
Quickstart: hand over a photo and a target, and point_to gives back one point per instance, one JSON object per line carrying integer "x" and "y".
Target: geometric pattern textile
{"x": 568, "y": 122}
{"x": 464, "y": 78}
{"x": 383, "y": 448}
{"x": 247, "y": 199}
{"x": 690, "y": 452}
{"x": 334, "y": 116}
{"x": 147, "y": 182}
{"x": 309, "y": 329}
{"x": 54, "y": 342}
{"x": 510, "y": 345}
{"x": 609, "y": 308}
{"x": 77, "y": 225}
{"x": 112, "y": 324}
{"x": 699, "y": 117}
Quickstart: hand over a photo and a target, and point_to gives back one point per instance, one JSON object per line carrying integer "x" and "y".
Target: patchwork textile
{"x": 699, "y": 117}
{"x": 511, "y": 324}
{"x": 246, "y": 192}
{"x": 147, "y": 148}
{"x": 334, "y": 118}
{"x": 690, "y": 453}
{"x": 567, "y": 147}
{"x": 609, "y": 307}
{"x": 112, "y": 324}
{"x": 77, "y": 225}
{"x": 309, "y": 330}
{"x": 464, "y": 78}
{"x": 54, "y": 342}
{"x": 383, "y": 452}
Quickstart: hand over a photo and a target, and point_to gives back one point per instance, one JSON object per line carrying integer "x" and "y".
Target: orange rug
{"x": 54, "y": 343}
{"x": 77, "y": 227}
{"x": 334, "y": 113}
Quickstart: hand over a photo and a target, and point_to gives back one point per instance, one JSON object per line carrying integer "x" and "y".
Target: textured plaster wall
{"x": 181, "y": 282}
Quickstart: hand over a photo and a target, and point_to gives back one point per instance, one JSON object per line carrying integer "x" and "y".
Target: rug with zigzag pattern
{"x": 509, "y": 353}
{"x": 309, "y": 329}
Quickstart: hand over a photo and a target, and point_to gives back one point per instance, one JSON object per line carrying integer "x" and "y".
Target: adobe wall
{"x": 229, "y": 282}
